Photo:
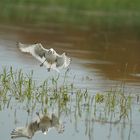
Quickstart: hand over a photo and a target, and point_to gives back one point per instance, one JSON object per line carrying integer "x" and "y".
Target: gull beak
{"x": 50, "y": 51}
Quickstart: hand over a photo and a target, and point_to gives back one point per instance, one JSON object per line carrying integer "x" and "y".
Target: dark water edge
{"x": 100, "y": 14}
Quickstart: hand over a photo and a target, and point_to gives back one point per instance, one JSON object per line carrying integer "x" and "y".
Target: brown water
{"x": 101, "y": 60}
{"x": 110, "y": 55}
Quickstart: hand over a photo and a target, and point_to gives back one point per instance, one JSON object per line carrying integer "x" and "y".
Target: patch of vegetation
{"x": 18, "y": 91}
{"x": 17, "y": 87}
{"x": 77, "y": 12}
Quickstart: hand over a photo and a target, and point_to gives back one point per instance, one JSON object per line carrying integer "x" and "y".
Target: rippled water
{"x": 101, "y": 61}
{"x": 106, "y": 59}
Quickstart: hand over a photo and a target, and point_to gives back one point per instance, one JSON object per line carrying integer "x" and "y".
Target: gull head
{"x": 51, "y": 51}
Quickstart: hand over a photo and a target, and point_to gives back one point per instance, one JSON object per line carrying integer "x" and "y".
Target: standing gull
{"x": 47, "y": 57}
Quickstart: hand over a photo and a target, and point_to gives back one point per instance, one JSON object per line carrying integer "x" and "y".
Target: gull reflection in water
{"x": 43, "y": 123}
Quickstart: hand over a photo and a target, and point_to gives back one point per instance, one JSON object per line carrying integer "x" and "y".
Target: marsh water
{"x": 103, "y": 59}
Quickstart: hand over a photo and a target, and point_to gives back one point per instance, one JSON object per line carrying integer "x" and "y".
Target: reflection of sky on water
{"x": 74, "y": 129}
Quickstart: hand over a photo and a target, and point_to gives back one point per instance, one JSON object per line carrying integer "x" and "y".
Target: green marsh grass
{"x": 17, "y": 87}
{"x": 78, "y": 12}
{"x": 20, "y": 92}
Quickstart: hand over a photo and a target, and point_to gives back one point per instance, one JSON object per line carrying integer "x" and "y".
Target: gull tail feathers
{"x": 67, "y": 60}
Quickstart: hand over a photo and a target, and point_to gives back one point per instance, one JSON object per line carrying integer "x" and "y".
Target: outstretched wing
{"x": 21, "y": 132}
{"x": 62, "y": 61}
{"x": 35, "y": 50}
{"x": 27, "y": 131}
{"x": 57, "y": 124}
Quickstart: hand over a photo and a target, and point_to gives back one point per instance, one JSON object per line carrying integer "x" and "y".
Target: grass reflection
{"x": 17, "y": 88}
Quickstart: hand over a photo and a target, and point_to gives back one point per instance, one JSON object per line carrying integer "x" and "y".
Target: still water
{"x": 101, "y": 61}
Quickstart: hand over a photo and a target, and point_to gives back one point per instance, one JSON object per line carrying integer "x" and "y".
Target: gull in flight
{"x": 47, "y": 57}
{"x": 43, "y": 123}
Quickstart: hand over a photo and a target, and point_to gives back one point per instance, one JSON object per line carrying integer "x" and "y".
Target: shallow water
{"x": 105, "y": 59}
{"x": 101, "y": 61}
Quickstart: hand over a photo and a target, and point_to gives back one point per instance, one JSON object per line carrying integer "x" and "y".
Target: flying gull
{"x": 47, "y": 57}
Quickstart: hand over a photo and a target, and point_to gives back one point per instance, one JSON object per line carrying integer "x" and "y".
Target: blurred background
{"x": 103, "y": 14}
{"x": 106, "y": 14}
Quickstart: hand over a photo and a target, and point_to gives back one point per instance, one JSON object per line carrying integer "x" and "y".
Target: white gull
{"x": 47, "y": 57}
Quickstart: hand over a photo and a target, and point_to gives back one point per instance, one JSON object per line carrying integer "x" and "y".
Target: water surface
{"x": 102, "y": 60}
